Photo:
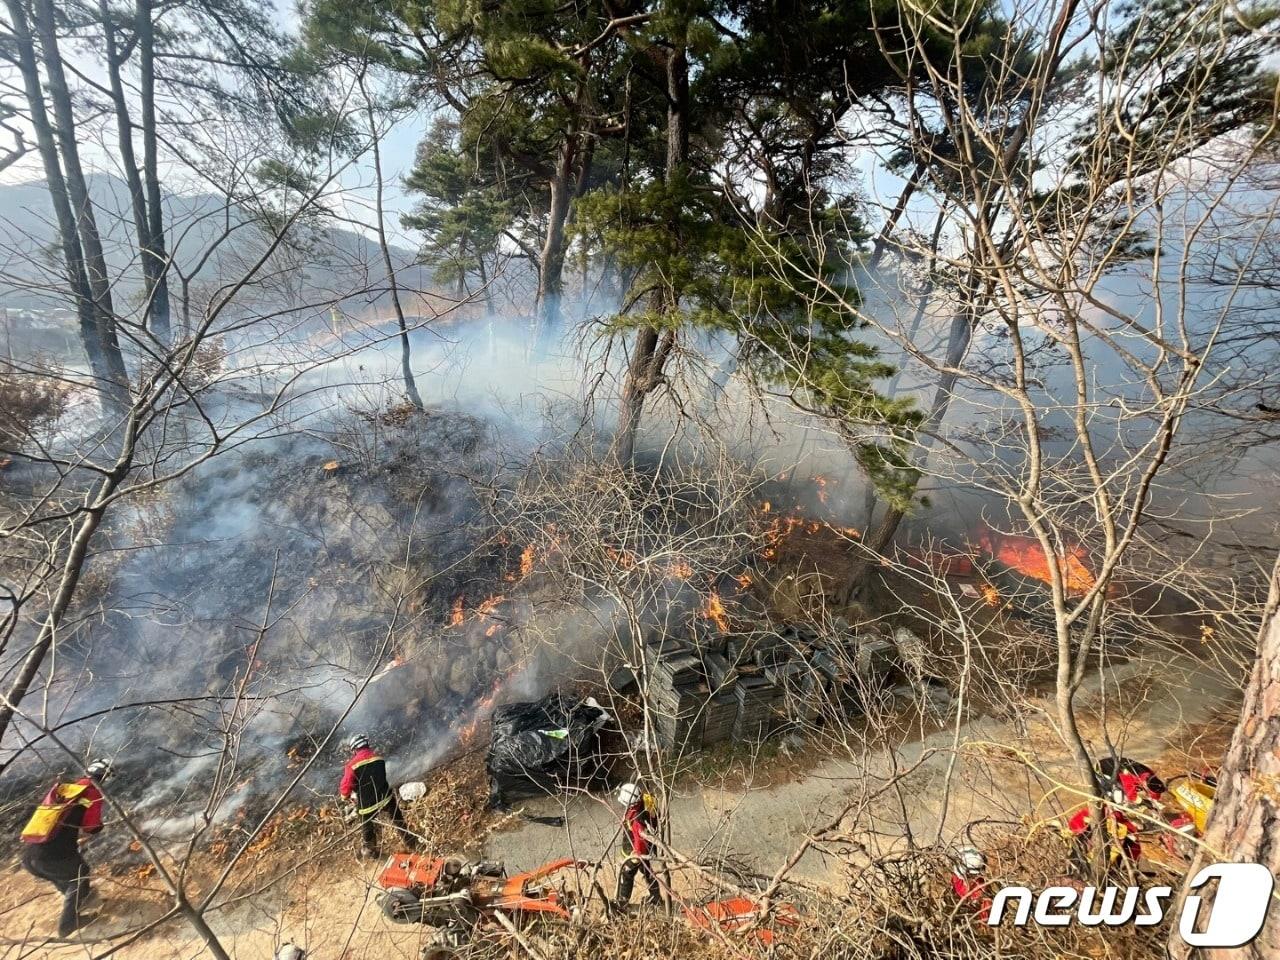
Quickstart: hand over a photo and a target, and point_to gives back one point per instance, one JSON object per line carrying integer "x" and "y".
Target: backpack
{"x": 48, "y": 816}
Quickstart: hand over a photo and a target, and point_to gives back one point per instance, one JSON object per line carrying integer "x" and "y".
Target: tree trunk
{"x": 489, "y": 312}
{"x": 881, "y": 244}
{"x": 634, "y": 390}
{"x": 72, "y": 569}
{"x": 1245, "y": 820}
{"x": 73, "y": 256}
{"x": 158, "y": 291}
{"x": 551, "y": 274}
{"x": 922, "y": 305}
{"x": 645, "y": 370}
{"x": 406, "y": 356}
{"x": 877, "y": 542}
{"x": 95, "y": 264}
{"x": 128, "y": 161}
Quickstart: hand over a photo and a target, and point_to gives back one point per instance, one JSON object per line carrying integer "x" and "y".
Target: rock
{"x": 460, "y": 676}
{"x": 413, "y": 790}
{"x": 911, "y": 650}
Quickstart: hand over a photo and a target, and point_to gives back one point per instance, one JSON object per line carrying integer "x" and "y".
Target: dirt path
{"x": 762, "y": 826}
{"x": 1169, "y": 706}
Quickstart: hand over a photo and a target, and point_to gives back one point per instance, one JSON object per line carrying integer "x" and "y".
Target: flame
{"x": 680, "y": 569}
{"x": 781, "y": 528}
{"x": 527, "y": 556}
{"x": 482, "y": 709}
{"x": 744, "y": 580}
{"x": 489, "y": 605}
{"x": 822, "y": 488}
{"x": 493, "y": 628}
{"x": 714, "y": 611}
{"x": 990, "y": 594}
{"x": 456, "y": 615}
{"x": 1027, "y": 557}
{"x": 623, "y": 558}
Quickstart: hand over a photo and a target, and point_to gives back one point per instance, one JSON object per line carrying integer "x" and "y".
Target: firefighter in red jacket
{"x": 364, "y": 782}
{"x": 969, "y": 881}
{"x": 68, "y": 811}
{"x": 638, "y": 824}
{"x": 1131, "y": 782}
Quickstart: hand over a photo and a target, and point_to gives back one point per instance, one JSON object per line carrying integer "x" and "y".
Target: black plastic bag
{"x": 537, "y": 747}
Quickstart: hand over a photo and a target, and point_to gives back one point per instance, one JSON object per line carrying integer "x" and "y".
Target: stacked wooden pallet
{"x": 677, "y": 691}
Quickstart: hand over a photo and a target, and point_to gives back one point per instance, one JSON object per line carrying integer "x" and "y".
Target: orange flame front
{"x": 1027, "y": 557}
{"x": 714, "y": 611}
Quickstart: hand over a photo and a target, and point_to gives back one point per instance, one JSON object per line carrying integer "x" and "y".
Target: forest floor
{"x": 755, "y": 811}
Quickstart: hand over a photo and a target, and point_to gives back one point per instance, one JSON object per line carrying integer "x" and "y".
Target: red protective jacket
{"x": 1138, "y": 786}
{"x": 1127, "y": 829}
{"x": 972, "y": 889}
{"x": 92, "y": 821}
{"x": 365, "y": 777}
{"x": 637, "y": 822}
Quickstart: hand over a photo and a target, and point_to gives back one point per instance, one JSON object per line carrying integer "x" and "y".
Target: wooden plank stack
{"x": 714, "y": 687}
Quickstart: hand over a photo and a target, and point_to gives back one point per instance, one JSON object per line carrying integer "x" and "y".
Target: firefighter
{"x": 1131, "y": 782}
{"x": 290, "y": 952}
{"x": 52, "y": 840}
{"x": 364, "y": 782}
{"x": 639, "y": 821}
{"x": 969, "y": 881}
{"x": 1119, "y": 835}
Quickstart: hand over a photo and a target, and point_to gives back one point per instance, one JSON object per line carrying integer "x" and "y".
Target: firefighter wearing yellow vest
{"x": 52, "y": 840}
{"x": 639, "y": 823}
{"x": 364, "y": 782}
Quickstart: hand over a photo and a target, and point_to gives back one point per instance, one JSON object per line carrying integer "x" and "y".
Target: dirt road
{"x": 957, "y": 775}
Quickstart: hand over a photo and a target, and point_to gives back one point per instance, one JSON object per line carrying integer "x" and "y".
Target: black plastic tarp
{"x": 540, "y": 745}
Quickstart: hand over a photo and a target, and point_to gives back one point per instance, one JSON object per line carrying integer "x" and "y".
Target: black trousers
{"x": 390, "y": 814}
{"x": 627, "y": 880}
{"x": 70, "y": 874}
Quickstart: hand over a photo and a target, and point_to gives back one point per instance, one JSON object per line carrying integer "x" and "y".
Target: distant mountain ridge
{"x": 327, "y": 261}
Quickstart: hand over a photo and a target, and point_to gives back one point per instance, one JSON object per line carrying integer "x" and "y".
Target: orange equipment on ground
{"x": 740, "y": 913}
{"x": 450, "y": 892}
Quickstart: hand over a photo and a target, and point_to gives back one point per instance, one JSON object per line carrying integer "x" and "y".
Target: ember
{"x": 991, "y": 595}
{"x": 623, "y": 558}
{"x": 680, "y": 569}
{"x": 783, "y": 527}
{"x": 456, "y": 614}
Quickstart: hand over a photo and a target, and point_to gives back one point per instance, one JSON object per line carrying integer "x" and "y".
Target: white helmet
{"x": 98, "y": 770}
{"x": 971, "y": 860}
{"x": 290, "y": 952}
{"x": 357, "y": 741}
{"x": 628, "y": 794}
